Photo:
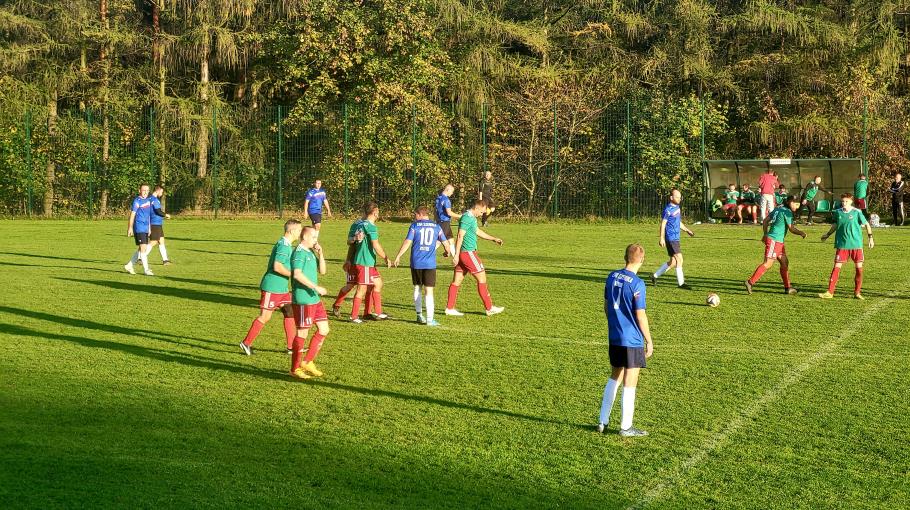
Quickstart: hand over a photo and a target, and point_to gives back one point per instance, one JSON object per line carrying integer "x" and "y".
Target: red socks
{"x": 315, "y": 345}
{"x": 759, "y": 271}
{"x": 341, "y": 295}
{"x": 832, "y": 282}
{"x": 251, "y": 335}
{"x": 858, "y": 281}
{"x": 368, "y": 306}
{"x": 453, "y": 296}
{"x": 355, "y": 309}
{"x": 485, "y": 296}
{"x": 785, "y": 276}
{"x": 296, "y": 352}
{"x": 377, "y": 302}
{"x": 290, "y": 330}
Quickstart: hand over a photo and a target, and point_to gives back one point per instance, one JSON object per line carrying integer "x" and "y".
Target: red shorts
{"x": 861, "y": 203}
{"x": 272, "y": 300}
{"x": 306, "y": 315}
{"x": 351, "y": 275}
{"x": 730, "y": 207}
{"x": 841, "y": 256}
{"x": 774, "y": 249}
{"x": 366, "y": 275}
{"x": 469, "y": 262}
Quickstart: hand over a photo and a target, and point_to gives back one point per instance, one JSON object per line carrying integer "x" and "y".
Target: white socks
{"x": 679, "y": 276}
{"x": 661, "y": 270}
{"x": 609, "y": 397}
{"x": 134, "y": 258}
{"x": 163, "y": 251}
{"x": 430, "y": 305}
{"x": 417, "y": 299}
{"x": 144, "y": 257}
{"x": 628, "y": 407}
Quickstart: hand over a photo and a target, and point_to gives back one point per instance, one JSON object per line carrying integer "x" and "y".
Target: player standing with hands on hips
{"x": 670, "y": 226}
{"x": 630, "y": 339}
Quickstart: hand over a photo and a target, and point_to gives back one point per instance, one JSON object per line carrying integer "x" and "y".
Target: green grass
{"x": 130, "y": 391}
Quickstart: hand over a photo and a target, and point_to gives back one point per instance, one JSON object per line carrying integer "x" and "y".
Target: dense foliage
{"x": 387, "y": 98}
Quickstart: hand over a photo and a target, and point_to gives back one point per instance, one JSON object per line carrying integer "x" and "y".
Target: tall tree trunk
{"x": 105, "y": 159}
{"x": 202, "y": 136}
{"x": 50, "y": 172}
{"x": 158, "y": 55}
{"x": 105, "y": 125}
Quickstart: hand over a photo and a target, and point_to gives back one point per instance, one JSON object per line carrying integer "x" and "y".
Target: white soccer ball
{"x": 712, "y": 300}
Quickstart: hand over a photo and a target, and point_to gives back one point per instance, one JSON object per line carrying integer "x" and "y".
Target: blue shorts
{"x": 673, "y": 247}
{"x": 316, "y": 218}
{"x": 627, "y": 357}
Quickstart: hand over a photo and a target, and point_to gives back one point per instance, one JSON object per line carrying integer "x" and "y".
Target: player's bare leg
{"x": 832, "y": 281}
{"x": 858, "y": 281}
{"x": 322, "y": 331}
{"x": 255, "y": 328}
{"x": 457, "y": 279}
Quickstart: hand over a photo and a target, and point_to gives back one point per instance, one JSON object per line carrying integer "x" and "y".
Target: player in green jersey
{"x": 776, "y": 226}
{"x": 780, "y": 196}
{"x": 748, "y": 203}
{"x": 366, "y": 252}
{"x": 274, "y": 288}
{"x": 731, "y": 201}
{"x": 467, "y": 260}
{"x": 848, "y": 244}
{"x": 307, "y": 263}
{"x": 860, "y": 191}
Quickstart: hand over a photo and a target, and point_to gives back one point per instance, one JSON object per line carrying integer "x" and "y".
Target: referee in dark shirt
{"x": 485, "y": 193}
{"x": 897, "y": 199}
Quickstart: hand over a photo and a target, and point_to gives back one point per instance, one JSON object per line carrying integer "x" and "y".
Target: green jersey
{"x": 364, "y": 254}
{"x": 810, "y": 191}
{"x": 731, "y": 196}
{"x": 272, "y": 281}
{"x": 306, "y": 261}
{"x": 860, "y": 188}
{"x": 780, "y": 220}
{"x": 780, "y": 198}
{"x": 468, "y": 224}
{"x": 849, "y": 233}
{"x": 748, "y": 196}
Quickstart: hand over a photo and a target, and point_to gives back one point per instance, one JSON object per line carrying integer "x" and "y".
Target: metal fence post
{"x": 628, "y": 160}
{"x": 413, "y": 156}
{"x": 555, "y": 163}
{"x": 280, "y": 160}
{"x": 151, "y": 121}
{"x": 865, "y": 131}
{"x": 215, "y": 160}
{"x": 484, "y": 133}
{"x": 91, "y": 164}
{"x": 28, "y": 161}
{"x": 347, "y": 174}
{"x": 704, "y": 182}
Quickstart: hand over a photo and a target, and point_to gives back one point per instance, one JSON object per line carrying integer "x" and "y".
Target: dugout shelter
{"x": 838, "y": 176}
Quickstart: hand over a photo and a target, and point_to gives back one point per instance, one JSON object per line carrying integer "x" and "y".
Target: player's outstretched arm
{"x": 483, "y": 235}
{"x": 830, "y": 231}
{"x": 404, "y": 247}
{"x": 794, "y": 230}
{"x": 642, "y": 317}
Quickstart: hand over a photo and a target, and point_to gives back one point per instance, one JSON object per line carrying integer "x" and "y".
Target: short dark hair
{"x": 291, "y": 223}
{"x": 422, "y": 210}
{"x": 847, "y": 195}
{"x": 369, "y": 207}
{"x": 781, "y": 187}
{"x": 635, "y": 252}
{"x": 479, "y": 202}
{"x": 792, "y": 198}
{"x": 159, "y": 187}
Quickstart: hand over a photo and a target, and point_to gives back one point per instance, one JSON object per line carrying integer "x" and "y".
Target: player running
{"x": 428, "y": 236}
{"x": 670, "y": 226}
{"x": 274, "y": 289}
{"x": 366, "y": 250}
{"x": 139, "y": 227}
{"x": 848, "y": 244}
{"x": 315, "y": 200}
{"x": 307, "y": 263}
{"x": 157, "y": 231}
{"x": 630, "y": 339}
{"x": 444, "y": 213}
{"x": 775, "y": 227}
{"x": 467, "y": 260}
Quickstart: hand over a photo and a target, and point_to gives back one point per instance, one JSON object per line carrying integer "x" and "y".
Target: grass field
{"x": 130, "y": 391}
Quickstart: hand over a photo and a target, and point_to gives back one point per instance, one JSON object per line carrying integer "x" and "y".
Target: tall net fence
{"x": 556, "y": 158}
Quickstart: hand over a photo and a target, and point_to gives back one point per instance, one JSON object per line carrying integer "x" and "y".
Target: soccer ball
{"x": 713, "y": 300}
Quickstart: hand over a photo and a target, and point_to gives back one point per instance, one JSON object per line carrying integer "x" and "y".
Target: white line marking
{"x": 745, "y": 415}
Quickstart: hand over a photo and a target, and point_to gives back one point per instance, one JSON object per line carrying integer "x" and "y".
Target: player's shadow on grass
{"x": 238, "y": 253}
{"x": 232, "y": 241}
{"x": 555, "y": 275}
{"x": 191, "y": 294}
{"x": 111, "y": 328}
{"x": 211, "y": 364}
{"x": 54, "y": 257}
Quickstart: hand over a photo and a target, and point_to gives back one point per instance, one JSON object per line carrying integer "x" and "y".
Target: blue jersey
{"x": 624, "y": 293}
{"x": 673, "y": 215}
{"x": 424, "y": 234}
{"x": 316, "y": 198}
{"x": 143, "y": 209}
{"x": 156, "y": 204}
{"x": 443, "y": 204}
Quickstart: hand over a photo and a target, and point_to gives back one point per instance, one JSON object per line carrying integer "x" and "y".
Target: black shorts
{"x": 446, "y": 228}
{"x": 157, "y": 232}
{"x": 316, "y": 218}
{"x": 627, "y": 357}
{"x": 673, "y": 248}
{"x": 141, "y": 238}
{"x": 425, "y": 277}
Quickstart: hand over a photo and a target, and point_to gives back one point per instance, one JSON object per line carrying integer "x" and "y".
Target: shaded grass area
{"x": 130, "y": 391}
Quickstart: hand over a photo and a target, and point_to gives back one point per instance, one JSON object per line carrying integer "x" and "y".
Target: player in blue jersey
{"x": 156, "y": 237}
{"x": 444, "y": 212}
{"x": 139, "y": 228}
{"x": 670, "y": 227}
{"x": 425, "y": 236}
{"x": 630, "y": 339}
{"x": 316, "y": 199}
